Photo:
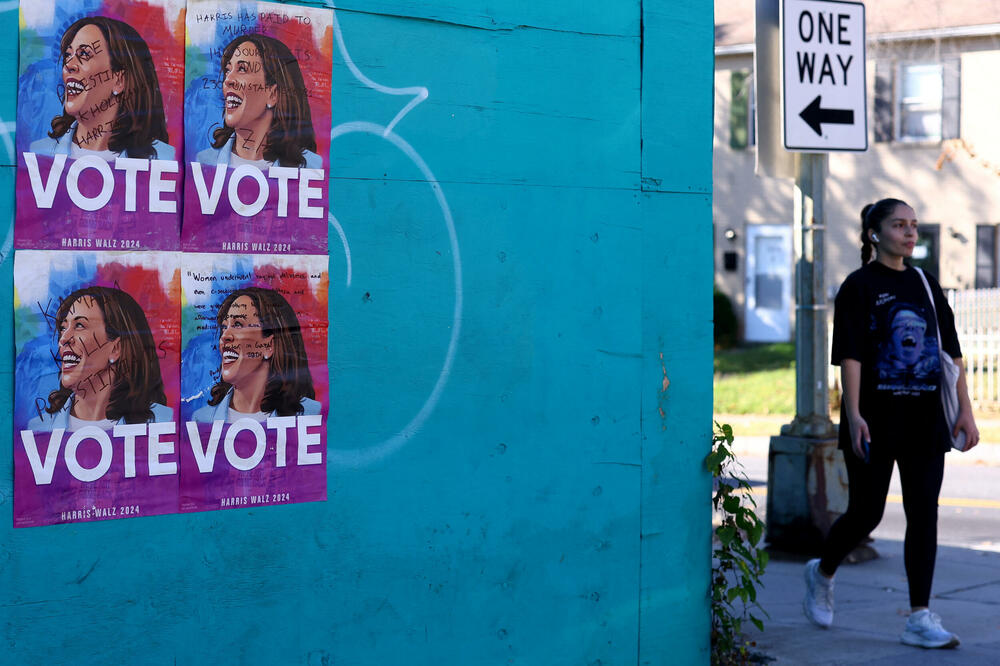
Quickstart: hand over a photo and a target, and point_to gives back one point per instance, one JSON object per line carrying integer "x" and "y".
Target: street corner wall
{"x": 677, "y": 329}
{"x": 520, "y": 350}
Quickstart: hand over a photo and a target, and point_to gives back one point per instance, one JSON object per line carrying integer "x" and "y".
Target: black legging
{"x": 920, "y": 474}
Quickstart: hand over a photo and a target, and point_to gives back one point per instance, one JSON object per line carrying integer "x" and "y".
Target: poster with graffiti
{"x": 257, "y": 119}
{"x": 96, "y": 388}
{"x": 99, "y": 124}
{"x": 254, "y": 380}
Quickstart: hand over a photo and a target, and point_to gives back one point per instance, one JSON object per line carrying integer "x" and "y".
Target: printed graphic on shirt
{"x": 907, "y": 361}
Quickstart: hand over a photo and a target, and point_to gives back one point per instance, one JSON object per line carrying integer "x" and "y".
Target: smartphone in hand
{"x": 867, "y": 447}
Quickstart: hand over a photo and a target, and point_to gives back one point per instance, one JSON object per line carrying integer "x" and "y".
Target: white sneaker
{"x": 923, "y": 629}
{"x": 818, "y": 604}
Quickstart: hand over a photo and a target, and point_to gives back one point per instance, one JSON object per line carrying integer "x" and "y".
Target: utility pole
{"x": 806, "y": 487}
{"x": 812, "y": 405}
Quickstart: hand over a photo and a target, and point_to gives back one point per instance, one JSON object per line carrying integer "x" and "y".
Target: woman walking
{"x": 886, "y": 340}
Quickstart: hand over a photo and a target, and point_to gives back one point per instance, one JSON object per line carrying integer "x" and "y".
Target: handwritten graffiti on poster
{"x": 97, "y": 337}
{"x": 99, "y": 124}
{"x": 257, "y": 118}
{"x": 254, "y": 377}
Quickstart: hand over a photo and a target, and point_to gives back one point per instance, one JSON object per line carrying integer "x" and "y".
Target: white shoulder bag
{"x": 949, "y": 377}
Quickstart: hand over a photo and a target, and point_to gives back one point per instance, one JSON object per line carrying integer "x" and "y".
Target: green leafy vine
{"x": 739, "y": 558}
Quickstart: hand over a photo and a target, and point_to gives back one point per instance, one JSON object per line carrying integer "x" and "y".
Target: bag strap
{"x": 930, "y": 295}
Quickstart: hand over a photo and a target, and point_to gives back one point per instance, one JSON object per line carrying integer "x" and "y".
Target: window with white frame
{"x": 920, "y": 94}
{"x": 917, "y": 101}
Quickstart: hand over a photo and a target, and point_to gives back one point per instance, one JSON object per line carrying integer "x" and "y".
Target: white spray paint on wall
{"x": 343, "y": 241}
{"x": 419, "y": 93}
{"x": 363, "y": 456}
{"x": 367, "y": 455}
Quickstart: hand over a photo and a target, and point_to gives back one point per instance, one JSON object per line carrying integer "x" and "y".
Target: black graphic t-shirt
{"x": 884, "y": 320}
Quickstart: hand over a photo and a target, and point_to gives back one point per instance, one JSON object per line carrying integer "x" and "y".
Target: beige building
{"x": 933, "y": 78}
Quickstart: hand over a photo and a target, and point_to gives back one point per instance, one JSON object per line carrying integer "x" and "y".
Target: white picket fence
{"x": 977, "y": 319}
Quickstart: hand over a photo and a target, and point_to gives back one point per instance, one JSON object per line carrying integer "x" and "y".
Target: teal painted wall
{"x": 520, "y": 405}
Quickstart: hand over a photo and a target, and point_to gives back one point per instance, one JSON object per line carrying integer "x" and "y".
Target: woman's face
{"x": 84, "y": 347}
{"x": 897, "y": 235}
{"x": 87, "y": 76}
{"x": 245, "y": 351}
{"x": 246, "y": 95}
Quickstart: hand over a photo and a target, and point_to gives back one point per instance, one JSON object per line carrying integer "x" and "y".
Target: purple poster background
{"x": 67, "y": 499}
{"x": 257, "y": 103}
{"x": 99, "y": 124}
{"x": 241, "y": 314}
{"x": 277, "y": 478}
{"x": 263, "y": 224}
{"x": 55, "y": 220}
{"x": 67, "y": 307}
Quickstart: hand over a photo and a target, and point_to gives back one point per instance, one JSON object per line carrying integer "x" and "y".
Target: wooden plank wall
{"x": 520, "y": 403}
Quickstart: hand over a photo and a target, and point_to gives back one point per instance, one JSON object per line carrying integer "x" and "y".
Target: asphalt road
{"x": 969, "y": 513}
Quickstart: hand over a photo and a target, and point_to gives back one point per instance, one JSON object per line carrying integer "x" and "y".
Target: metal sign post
{"x": 812, "y": 407}
{"x": 823, "y": 109}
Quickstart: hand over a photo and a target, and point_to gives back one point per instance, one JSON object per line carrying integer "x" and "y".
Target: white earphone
{"x": 874, "y": 237}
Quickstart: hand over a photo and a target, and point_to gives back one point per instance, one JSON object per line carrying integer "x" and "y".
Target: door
{"x": 768, "y": 283}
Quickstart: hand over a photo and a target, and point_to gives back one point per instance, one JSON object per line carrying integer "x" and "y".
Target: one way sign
{"x": 823, "y": 75}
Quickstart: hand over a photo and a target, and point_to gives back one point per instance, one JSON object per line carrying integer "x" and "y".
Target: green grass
{"x": 741, "y": 360}
{"x": 758, "y": 379}
{"x": 755, "y": 391}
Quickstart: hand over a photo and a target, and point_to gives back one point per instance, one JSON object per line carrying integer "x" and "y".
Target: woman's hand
{"x": 859, "y": 434}
{"x": 967, "y": 422}
{"x": 850, "y": 380}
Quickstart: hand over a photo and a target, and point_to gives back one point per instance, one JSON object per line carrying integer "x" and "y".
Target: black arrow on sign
{"x": 814, "y": 115}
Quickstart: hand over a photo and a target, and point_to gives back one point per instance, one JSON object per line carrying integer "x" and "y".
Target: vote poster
{"x": 96, "y": 390}
{"x": 254, "y": 380}
{"x": 257, "y": 119}
{"x": 99, "y": 124}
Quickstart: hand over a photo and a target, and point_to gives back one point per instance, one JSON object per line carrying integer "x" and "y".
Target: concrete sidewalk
{"x": 872, "y": 601}
{"x": 872, "y": 606}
